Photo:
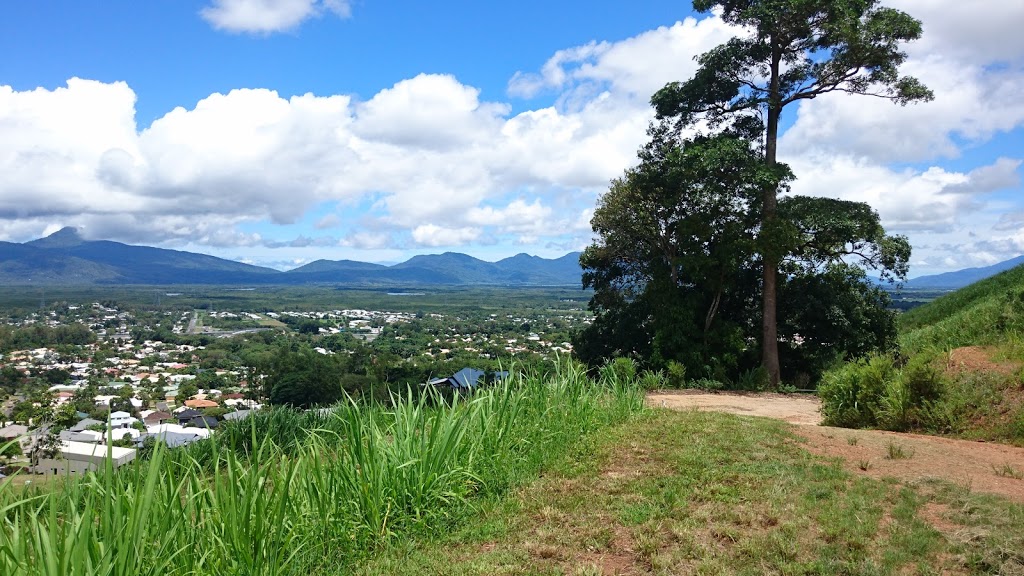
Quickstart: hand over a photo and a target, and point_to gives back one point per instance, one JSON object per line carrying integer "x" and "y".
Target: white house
{"x": 121, "y": 420}
{"x": 79, "y": 457}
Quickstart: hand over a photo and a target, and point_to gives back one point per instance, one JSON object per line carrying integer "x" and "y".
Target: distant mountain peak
{"x": 63, "y": 238}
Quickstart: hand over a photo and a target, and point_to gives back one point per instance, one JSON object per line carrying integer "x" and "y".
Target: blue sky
{"x": 282, "y": 131}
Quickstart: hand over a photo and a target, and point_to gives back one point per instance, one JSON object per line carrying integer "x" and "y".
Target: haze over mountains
{"x": 66, "y": 258}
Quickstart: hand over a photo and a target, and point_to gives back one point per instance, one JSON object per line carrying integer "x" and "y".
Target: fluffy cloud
{"x": 908, "y": 200}
{"x": 975, "y": 33}
{"x": 434, "y": 236}
{"x": 269, "y": 16}
{"x": 972, "y": 103}
{"x": 635, "y": 67}
{"x": 250, "y": 155}
{"x": 440, "y": 166}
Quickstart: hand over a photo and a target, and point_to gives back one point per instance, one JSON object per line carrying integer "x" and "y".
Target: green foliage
{"x": 972, "y": 403}
{"x": 672, "y": 234}
{"x": 186, "y": 390}
{"x": 834, "y": 314}
{"x": 651, "y": 380}
{"x": 852, "y": 46}
{"x": 797, "y": 50}
{"x": 753, "y": 380}
{"x": 619, "y": 370}
{"x": 10, "y": 449}
{"x": 675, "y": 374}
{"x": 987, "y": 312}
{"x": 286, "y": 492}
{"x": 38, "y": 335}
{"x": 876, "y": 393}
{"x": 709, "y": 384}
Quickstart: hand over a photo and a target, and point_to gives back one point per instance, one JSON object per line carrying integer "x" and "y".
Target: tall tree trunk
{"x": 769, "y": 325}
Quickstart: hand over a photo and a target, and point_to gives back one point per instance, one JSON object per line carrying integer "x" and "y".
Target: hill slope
{"x": 66, "y": 258}
{"x": 980, "y": 314}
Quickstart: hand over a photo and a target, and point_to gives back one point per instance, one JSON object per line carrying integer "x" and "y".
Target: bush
{"x": 924, "y": 381}
{"x": 896, "y": 406}
{"x": 852, "y": 395}
{"x": 873, "y": 393}
{"x": 619, "y": 371}
{"x": 650, "y": 380}
{"x": 707, "y": 384}
{"x": 676, "y": 374}
{"x": 754, "y": 380}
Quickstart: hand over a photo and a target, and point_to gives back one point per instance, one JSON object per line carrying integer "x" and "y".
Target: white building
{"x": 79, "y": 457}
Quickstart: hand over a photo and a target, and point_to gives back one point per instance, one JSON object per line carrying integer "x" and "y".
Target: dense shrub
{"x": 676, "y": 374}
{"x": 875, "y": 393}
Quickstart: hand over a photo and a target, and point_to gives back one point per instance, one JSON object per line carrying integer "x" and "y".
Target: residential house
{"x": 204, "y": 422}
{"x": 12, "y": 432}
{"x": 239, "y": 415}
{"x": 122, "y": 420}
{"x": 466, "y": 379}
{"x": 158, "y": 417}
{"x": 187, "y": 414}
{"x": 85, "y": 424}
{"x": 79, "y": 457}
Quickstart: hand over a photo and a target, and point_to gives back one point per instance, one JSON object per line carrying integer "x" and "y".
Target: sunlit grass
{"x": 286, "y": 493}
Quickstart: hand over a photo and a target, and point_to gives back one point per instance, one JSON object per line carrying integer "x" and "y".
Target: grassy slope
{"x": 984, "y": 313}
{"x": 986, "y": 401}
{"x": 703, "y": 493}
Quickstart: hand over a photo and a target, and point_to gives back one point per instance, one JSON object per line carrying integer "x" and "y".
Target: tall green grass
{"x": 287, "y": 493}
{"x": 983, "y": 313}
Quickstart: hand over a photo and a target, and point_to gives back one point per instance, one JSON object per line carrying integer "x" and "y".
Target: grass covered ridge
{"x": 959, "y": 370}
{"x": 286, "y": 493}
{"x": 706, "y": 493}
{"x": 988, "y": 312}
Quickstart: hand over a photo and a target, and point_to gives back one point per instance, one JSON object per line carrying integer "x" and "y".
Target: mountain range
{"x": 66, "y": 258}
{"x": 961, "y": 278}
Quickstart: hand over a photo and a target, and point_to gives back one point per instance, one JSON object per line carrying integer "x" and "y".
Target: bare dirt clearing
{"x": 980, "y": 466}
{"x": 794, "y": 409}
{"x": 978, "y": 359}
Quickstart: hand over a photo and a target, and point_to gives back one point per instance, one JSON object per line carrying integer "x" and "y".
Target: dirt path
{"x": 791, "y": 408}
{"x": 980, "y": 466}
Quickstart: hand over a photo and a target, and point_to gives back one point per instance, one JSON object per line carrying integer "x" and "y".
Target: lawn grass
{"x": 704, "y": 493}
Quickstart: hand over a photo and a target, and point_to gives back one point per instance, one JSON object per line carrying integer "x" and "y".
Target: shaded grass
{"x": 705, "y": 493}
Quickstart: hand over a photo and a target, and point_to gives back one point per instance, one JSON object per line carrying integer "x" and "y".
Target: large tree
{"x": 671, "y": 236}
{"x": 794, "y": 50}
{"x": 674, "y": 265}
{"x": 304, "y": 378}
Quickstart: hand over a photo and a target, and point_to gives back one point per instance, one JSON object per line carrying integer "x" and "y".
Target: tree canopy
{"x": 793, "y": 50}
{"x": 674, "y": 265}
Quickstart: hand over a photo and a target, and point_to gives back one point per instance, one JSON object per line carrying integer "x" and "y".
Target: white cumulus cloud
{"x": 269, "y": 16}
{"x": 439, "y": 165}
